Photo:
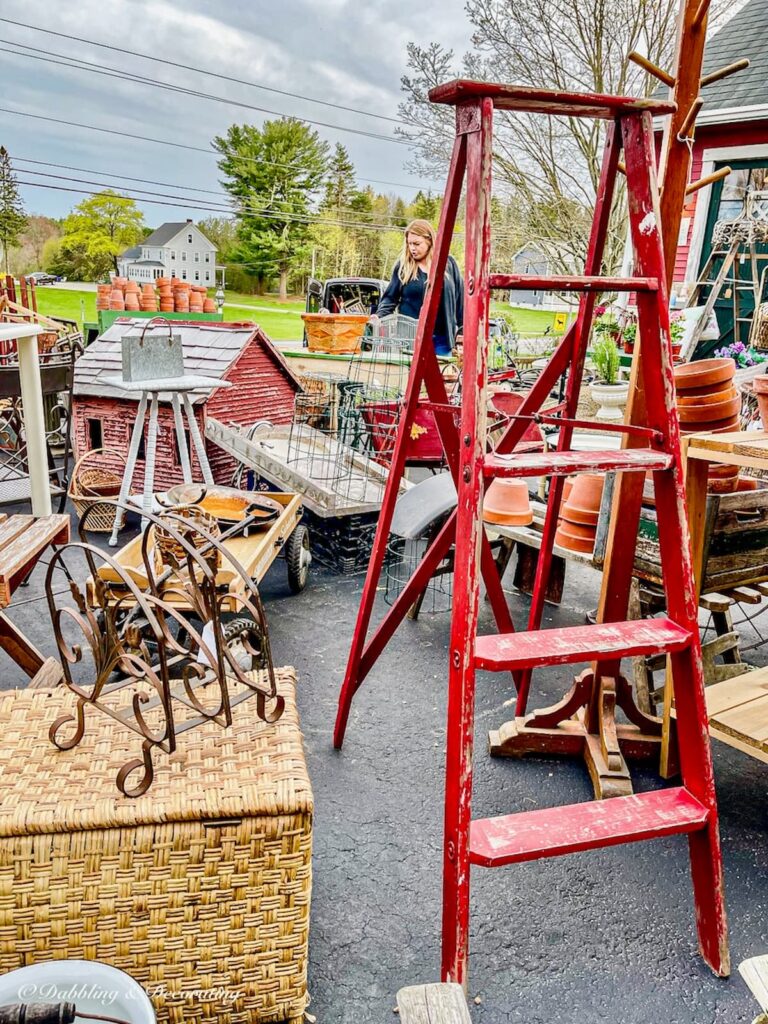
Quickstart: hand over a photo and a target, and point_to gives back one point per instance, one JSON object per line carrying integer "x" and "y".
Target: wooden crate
{"x": 328, "y": 332}
{"x": 200, "y": 889}
{"x": 735, "y": 541}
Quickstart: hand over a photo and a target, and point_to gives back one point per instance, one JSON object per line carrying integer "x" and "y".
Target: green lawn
{"x": 280, "y": 320}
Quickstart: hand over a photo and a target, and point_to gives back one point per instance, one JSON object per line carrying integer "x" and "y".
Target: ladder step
{"x": 606, "y": 640}
{"x": 566, "y": 462}
{"x": 555, "y": 831}
{"x": 569, "y": 283}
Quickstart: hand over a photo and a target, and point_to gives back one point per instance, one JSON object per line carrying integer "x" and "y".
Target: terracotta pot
{"x": 726, "y": 486}
{"x": 507, "y": 503}
{"x": 166, "y": 306}
{"x": 209, "y": 306}
{"x": 116, "y": 299}
{"x": 691, "y": 394}
{"x": 132, "y": 301}
{"x": 148, "y": 305}
{"x": 712, "y": 426}
{"x": 583, "y": 505}
{"x": 685, "y": 399}
{"x": 722, "y": 472}
{"x": 760, "y": 385}
{"x": 747, "y": 483}
{"x": 709, "y": 411}
{"x": 575, "y": 537}
{"x": 132, "y": 286}
{"x": 704, "y": 373}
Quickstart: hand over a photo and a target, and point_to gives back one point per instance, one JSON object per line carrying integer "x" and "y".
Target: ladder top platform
{"x": 546, "y": 101}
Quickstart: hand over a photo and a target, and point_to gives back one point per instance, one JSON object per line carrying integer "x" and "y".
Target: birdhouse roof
{"x": 210, "y": 350}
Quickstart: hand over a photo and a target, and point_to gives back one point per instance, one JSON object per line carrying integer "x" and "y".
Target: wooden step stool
{"x": 200, "y": 886}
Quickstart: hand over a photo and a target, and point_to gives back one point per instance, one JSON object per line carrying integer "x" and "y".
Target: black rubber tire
{"x": 298, "y": 558}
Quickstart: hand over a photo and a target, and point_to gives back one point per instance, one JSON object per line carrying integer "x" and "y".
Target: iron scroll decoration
{"x": 179, "y": 648}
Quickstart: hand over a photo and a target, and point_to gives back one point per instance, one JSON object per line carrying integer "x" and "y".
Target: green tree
{"x": 425, "y": 207}
{"x": 274, "y": 174}
{"x": 13, "y": 220}
{"x": 340, "y": 184}
{"x": 97, "y": 231}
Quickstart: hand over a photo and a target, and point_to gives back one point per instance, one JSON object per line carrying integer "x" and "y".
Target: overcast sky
{"x": 342, "y": 51}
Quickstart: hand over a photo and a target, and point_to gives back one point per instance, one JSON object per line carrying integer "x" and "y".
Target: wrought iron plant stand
{"x": 167, "y": 656}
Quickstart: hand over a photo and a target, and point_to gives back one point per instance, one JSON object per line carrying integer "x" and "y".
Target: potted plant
{"x": 607, "y": 391}
{"x": 629, "y": 336}
{"x": 606, "y": 324}
{"x": 677, "y": 333}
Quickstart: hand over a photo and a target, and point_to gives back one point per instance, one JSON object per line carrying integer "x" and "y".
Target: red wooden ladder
{"x": 690, "y": 808}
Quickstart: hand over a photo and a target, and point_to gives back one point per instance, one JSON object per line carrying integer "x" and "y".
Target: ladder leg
{"x": 461, "y": 677}
{"x": 675, "y": 549}
{"x": 130, "y": 468}
{"x": 397, "y": 466}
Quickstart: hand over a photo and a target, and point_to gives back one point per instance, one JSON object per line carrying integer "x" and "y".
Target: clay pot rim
{"x": 704, "y": 413}
{"x": 577, "y": 530}
{"x": 686, "y": 400}
{"x": 707, "y": 389}
{"x": 760, "y": 384}
{"x": 703, "y": 372}
{"x": 584, "y": 546}
{"x": 580, "y": 516}
{"x": 507, "y": 518}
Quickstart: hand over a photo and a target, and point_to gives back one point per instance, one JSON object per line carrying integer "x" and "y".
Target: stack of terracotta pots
{"x": 196, "y": 299}
{"x": 103, "y": 295}
{"x": 709, "y": 403}
{"x": 116, "y": 299}
{"x": 580, "y": 512}
{"x": 760, "y": 387}
{"x": 506, "y": 503}
{"x": 148, "y": 300}
{"x": 132, "y": 293}
{"x": 209, "y": 305}
{"x": 181, "y": 297}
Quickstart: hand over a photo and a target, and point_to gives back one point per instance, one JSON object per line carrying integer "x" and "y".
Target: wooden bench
{"x": 433, "y": 1004}
{"x": 23, "y": 539}
{"x": 737, "y": 710}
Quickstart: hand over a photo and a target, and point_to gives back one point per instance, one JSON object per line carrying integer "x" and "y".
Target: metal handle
{"x": 157, "y": 319}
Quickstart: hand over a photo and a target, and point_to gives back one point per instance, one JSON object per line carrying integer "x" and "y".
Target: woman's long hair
{"x": 409, "y": 268}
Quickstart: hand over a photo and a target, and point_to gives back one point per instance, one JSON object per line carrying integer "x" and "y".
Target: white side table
{"x": 178, "y": 391}
{"x": 25, "y": 336}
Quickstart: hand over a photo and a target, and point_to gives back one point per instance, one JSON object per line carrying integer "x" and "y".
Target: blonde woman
{"x": 405, "y": 292}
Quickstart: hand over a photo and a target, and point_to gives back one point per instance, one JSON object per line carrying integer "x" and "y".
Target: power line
{"x": 127, "y": 76}
{"x": 216, "y": 207}
{"x": 202, "y": 71}
{"x": 175, "y": 145}
{"x": 186, "y": 188}
{"x": 360, "y": 226}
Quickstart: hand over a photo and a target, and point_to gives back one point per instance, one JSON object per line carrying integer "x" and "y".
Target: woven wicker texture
{"x": 202, "y": 886}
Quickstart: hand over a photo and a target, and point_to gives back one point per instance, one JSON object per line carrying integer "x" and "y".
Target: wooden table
{"x": 23, "y": 539}
{"x": 737, "y": 708}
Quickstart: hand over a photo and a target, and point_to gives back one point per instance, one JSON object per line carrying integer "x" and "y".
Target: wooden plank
{"x": 745, "y": 595}
{"x": 22, "y": 541}
{"x": 555, "y": 831}
{"x": 545, "y": 101}
{"x": 579, "y": 643}
{"x": 748, "y": 722}
{"x": 16, "y": 646}
{"x": 564, "y": 463}
{"x": 755, "y": 973}
{"x": 433, "y": 1004}
{"x": 749, "y": 686}
{"x": 49, "y": 676}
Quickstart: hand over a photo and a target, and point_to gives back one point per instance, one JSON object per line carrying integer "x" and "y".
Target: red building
{"x": 263, "y": 388}
{"x": 732, "y": 130}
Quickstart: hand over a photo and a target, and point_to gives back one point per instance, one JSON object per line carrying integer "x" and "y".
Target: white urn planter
{"x": 611, "y": 399}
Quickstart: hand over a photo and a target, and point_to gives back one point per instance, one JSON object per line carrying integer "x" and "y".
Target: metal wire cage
{"x": 403, "y": 558}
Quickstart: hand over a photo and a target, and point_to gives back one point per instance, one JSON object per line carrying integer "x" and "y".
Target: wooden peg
{"x": 729, "y": 69}
{"x": 708, "y": 180}
{"x": 651, "y": 68}
{"x": 701, "y": 12}
{"x": 686, "y": 128}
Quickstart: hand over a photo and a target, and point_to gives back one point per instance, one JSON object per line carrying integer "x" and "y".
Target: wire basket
{"x": 403, "y": 558}
{"x": 90, "y": 483}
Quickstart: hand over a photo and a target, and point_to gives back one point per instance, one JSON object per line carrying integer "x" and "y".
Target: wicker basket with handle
{"x": 91, "y": 482}
{"x": 199, "y": 890}
{"x": 328, "y": 332}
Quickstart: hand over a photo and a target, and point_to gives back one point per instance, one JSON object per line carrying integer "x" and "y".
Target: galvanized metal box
{"x": 152, "y": 355}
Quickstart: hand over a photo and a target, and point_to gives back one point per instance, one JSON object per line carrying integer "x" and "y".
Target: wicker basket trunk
{"x": 200, "y": 890}
{"x": 328, "y": 332}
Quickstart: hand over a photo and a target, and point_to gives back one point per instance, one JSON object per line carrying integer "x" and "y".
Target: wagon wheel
{"x": 249, "y": 655}
{"x": 298, "y": 558}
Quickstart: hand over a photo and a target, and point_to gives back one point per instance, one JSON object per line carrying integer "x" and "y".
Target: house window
{"x": 184, "y": 257}
{"x": 207, "y": 276}
{"x": 173, "y": 254}
{"x": 189, "y": 239}
{"x": 184, "y": 275}
{"x": 95, "y": 434}
{"x": 197, "y": 257}
{"x": 207, "y": 257}
{"x": 197, "y": 275}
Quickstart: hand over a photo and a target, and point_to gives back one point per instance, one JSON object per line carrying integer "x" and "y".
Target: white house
{"x": 173, "y": 250}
